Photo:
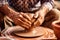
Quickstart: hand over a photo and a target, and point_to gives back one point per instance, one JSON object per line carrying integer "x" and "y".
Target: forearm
{"x": 9, "y": 12}
{"x": 13, "y": 29}
{"x": 46, "y": 7}
{"x": 17, "y": 28}
{"x": 44, "y": 10}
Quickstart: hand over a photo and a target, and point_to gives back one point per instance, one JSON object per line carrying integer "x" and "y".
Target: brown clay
{"x": 56, "y": 27}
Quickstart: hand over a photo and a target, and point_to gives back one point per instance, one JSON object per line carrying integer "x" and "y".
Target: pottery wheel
{"x": 36, "y": 32}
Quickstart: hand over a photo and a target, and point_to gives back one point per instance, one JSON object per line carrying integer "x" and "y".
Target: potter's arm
{"x": 47, "y": 5}
{"x": 16, "y": 17}
{"x": 9, "y": 12}
{"x": 5, "y": 9}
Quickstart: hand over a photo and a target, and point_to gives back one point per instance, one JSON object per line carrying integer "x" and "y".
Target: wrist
{"x": 48, "y": 5}
{"x": 43, "y": 11}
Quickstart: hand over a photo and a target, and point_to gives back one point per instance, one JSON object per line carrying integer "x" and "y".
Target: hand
{"x": 23, "y": 20}
{"x": 11, "y": 30}
{"x": 39, "y": 18}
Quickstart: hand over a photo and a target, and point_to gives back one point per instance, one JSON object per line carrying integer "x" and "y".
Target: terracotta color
{"x": 56, "y": 27}
{"x": 48, "y": 35}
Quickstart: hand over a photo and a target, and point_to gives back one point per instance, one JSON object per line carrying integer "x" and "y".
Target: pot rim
{"x": 55, "y": 23}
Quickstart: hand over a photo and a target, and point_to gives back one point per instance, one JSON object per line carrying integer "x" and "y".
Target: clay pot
{"x": 56, "y": 27}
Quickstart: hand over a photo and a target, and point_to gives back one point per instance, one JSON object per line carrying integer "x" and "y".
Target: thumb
{"x": 36, "y": 15}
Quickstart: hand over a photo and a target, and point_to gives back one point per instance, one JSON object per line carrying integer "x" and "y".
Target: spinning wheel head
{"x": 35, "y": 32}
{"x": 23, "y": 5}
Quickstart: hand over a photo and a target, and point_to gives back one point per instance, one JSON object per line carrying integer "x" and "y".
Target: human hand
{"x": 23, "y": 20}
{"x": 39, "y": 18}
{"x": 11, "y": 30}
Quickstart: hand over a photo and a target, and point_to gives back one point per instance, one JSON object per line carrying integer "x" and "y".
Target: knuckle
{"x": 20, "y": 16}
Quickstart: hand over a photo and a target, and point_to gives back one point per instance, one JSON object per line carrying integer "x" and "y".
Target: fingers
{"x": 39, "y": 18}
{"x": 24, "y": 19}
{"x": 26, "y": 16}
{"x": 12, "y": 30}
{"x": 39, "y": 21}
{"x": 22, "y": 24}
{"x": 7, "y": 32}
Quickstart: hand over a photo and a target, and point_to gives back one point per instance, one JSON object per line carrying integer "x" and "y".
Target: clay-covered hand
{"x": 39, "y": 18}
{"x": 11, "y": 30}
{"x": 23, "y": 20}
